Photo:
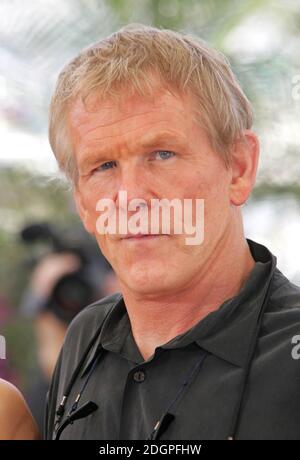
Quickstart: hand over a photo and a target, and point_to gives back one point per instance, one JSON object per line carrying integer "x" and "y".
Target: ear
{"x": 83, "y": 211}
{"x": 244, "y": 161}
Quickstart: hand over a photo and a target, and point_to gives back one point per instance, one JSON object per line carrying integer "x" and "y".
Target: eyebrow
{"x": 151, "y": 140}
{"x": 162, "y": 136}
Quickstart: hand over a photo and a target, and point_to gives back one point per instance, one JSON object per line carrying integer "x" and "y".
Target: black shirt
{"x": 232, "y": 374}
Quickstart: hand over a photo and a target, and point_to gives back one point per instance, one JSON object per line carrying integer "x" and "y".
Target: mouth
{"x": 143, "y": 236}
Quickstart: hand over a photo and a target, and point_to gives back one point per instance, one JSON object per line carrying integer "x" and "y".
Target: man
{"x": 198, "y": 345}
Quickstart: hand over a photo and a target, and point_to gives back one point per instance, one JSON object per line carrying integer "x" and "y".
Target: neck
{"x": 157, "y": 319}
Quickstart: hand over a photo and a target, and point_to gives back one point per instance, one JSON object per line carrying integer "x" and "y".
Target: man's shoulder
{"x": 91, "y": 318}
{"x": 282, "y": 316}
{"x": 97, "y": 309}
{"x": 82, "y": 331}
{"x": 285, "y": 294}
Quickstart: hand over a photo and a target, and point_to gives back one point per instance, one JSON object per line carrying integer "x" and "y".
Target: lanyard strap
{"x": 61, "y": 408}
{"x": 238, "y": 408}
{"x": 163, "y": 423}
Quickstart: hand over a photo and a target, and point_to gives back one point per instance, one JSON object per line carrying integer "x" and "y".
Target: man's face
{"x": 152, "y": 149}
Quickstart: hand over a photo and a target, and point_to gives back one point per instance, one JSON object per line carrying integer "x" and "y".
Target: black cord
{"x": 61, "y": 408}
{"x": 163, "y": 423}
{"x": 75, "y": 405}
{"x": 238, "y": 410}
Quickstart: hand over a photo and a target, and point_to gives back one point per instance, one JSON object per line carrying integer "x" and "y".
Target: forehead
{"x": 104, "y": 119}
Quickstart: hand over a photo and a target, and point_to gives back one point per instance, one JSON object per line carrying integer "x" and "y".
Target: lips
{"x": 139, "y": 235}
{"x": 142, "y": 236}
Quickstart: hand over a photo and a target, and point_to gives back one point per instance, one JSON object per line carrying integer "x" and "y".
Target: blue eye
{"x": 107, "y": 165}
{"x": 164, "y": 154}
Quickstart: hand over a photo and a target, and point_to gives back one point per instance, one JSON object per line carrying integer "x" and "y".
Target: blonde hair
{"x": 127, "y": 58}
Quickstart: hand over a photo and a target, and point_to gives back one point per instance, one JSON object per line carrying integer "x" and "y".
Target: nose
{"x": 133, "y": 181}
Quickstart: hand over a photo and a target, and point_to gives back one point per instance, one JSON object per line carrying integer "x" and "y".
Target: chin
{"x": 146, "y": 278}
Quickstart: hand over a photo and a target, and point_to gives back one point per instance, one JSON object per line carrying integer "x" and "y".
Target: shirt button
{"x": 139, "y": 376}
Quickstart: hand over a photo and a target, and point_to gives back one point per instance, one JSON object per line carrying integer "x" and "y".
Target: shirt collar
{"x": 226, "y": 332}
